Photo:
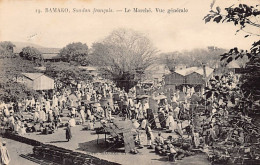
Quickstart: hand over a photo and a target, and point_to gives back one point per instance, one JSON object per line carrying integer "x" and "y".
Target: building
{"x": 197, "y": 77}
{"x": 91, "y": 70}
{"x": 234, "y": 67}
{"x": 193, "y": 76}
{"x": 48, "y": 54}
{"x": 37, "y": 81}
{"x": 53, "y": 57}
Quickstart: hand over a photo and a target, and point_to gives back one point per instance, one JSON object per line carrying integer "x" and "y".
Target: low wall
{"x": 57, "y": 154}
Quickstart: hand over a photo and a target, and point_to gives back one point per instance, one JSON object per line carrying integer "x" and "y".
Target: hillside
{"x": 20, "y": 45}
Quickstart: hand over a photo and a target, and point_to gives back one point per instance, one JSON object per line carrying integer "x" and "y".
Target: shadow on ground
{"x": 59, "y": 141}
{"x": 100, "y": 147}
{"x": 37, "y": 160}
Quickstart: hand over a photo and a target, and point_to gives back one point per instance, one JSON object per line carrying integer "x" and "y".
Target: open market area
{"x": 123, "y": 95}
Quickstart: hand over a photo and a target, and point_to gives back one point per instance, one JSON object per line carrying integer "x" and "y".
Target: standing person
{"x": 149, "y": 135}
{"x": 5, "y": 157}
{"x": 73, "y": 111}
{"x": 50, "y": 115}
{"x": 82, "y": 114}
{"x": 42, "y": 116}
{"x": 68, "y": 132}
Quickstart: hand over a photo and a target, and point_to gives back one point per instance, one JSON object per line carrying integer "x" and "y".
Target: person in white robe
{"x": 36, "y": 116}
{"x": 174, "y": 98}
{"x": 73, "y": 112}
{"x": 144, "y": 124}
{"x": 196, "y": 139}
{"x": 42, "y": 116}
{"x": 176, "y": 112}
{"x": 150, "y": 136}
{"x": 6, "y": 111}
{"x": 72, "y": 122}
{"x": 54, "y": 101}
{"x": 5, "y": 157}
{"x": 32, "y": 102}
{"x": 22, "y": 130}
{"x": 82, "y": 114}
{"x": 172, "y": 123}
{"x": 47, "y": 106}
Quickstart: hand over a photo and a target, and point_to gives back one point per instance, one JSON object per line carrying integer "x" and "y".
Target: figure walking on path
{"x": 68, "y": 133}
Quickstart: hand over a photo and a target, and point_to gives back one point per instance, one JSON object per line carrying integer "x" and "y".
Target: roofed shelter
{"x": 193, "y": 76}
{"x": 37, "y": 81}
{"x": 197, "y": 77}
{"x": 234, "y": 67}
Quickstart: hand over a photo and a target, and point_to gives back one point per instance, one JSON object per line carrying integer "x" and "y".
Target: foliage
{"x": 233, "y": 99}
{"x": 6, "y": 49}
{"x": 242, "y": 16}
{"x": 66, "y": 74}
{"x": 77, "y": 52}
{"x": 193, "y": 58}
{"x": 251, "y": 78}
{"x": 11, "y": 91}
{"x": 124, "y": 55}
{"x": 31, "y": 53}
{"x": 10, "y": 71}
{"x": 229, "y": 112}
{"x": 11, "y": 68}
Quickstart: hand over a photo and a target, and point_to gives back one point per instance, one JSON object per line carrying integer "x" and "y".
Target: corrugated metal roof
{"x": 42, "y": 68}
{"x": 186, "y": 71}
{"x": 209, "y": 71}
{"x": 51, "y": 56}
{"x": 32, "y": 76}
{"x": 89, "y": 68}
{"x": 233, "y": 64}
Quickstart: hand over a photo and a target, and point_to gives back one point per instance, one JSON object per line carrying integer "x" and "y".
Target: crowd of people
{"x": 102, "y": 100}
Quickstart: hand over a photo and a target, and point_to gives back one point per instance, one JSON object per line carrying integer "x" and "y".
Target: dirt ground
{"x": 17, "y": 150}
{"x": 86, "y": 141}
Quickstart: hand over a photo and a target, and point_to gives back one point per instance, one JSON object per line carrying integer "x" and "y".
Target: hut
{"x": 91, "y": 70}
{"x": 37, "y": 81}
{"x": 234, "y": 67}
{"x": 177, "y": 78}
{"x": 196, "y": 79}
{"x": 53, "y": 57}
{"x": 193, "y": 76}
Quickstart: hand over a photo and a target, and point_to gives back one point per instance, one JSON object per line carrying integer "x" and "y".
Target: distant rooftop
{"x": 51, "y": 56}
{"x": 233, "y": 64}
{"x": 187, "y": 71}
{"x": 32, "y": 76}
{"x": 89, "y": 68}
{"x": 42, "y": 50}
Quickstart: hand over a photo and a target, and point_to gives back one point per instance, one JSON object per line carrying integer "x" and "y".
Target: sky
{"x": 20, "y": 22}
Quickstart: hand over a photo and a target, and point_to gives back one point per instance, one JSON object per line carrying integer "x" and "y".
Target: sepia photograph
{"x": 129, "y": 82}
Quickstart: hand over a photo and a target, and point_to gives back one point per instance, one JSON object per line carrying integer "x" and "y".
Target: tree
{"x": 11, "y": 68}
{"x": 11, "y": 91}
{"x": 242, "y": 16}
{"x": 237, "y": 100}
{"x": 32, "y": 54}
{"x": 66, "y": 74}
{"x": 6, "y": 48}
{"x": 230, "y": 115}
{"x": 124, "y": 55}
{"x": 77, "y": 52}
{"x": 10, "y": 71}
{"x": 192, "y": 58}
